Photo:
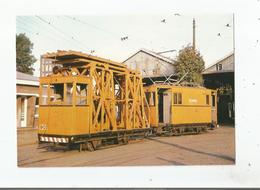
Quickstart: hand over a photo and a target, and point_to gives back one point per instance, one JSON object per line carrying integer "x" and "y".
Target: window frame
{"x": 51, "y": 102}
{"x": 219, "y": 67}
{"x": 177, "y": 98}
{"x": 46, "y": 82}
{"x": 78, "y": 97}
{"x": 179, "y": 95}
{"x": 65, "y": 102}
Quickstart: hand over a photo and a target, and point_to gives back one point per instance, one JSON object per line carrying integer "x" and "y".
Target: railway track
{"x": 161, "y": 150}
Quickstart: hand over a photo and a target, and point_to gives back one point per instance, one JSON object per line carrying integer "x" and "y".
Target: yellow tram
{"x": 181, "y": 109}
{"x": 88, "y": 100}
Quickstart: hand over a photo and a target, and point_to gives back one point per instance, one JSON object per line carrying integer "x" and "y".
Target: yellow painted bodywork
{"x": 190, "y": 114}
{"x": 153, "y": 112}
{"x": 60, "y": 118}
{"x": 63, "y": 120}
{"x": 192, "y": 110}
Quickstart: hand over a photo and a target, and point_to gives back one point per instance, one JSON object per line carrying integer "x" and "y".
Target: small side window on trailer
{"x": 177, "y": 98}
{"x": 174, "y": 98}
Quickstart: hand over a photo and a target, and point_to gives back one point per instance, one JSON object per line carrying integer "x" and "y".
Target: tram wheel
{"x": 90, "y": 146}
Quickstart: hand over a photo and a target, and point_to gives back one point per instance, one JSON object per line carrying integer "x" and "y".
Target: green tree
{"x": 190, "y": 61}
{"x": 24, "y": 57}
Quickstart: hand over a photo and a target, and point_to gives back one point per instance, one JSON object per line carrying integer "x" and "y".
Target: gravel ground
{"x": 216, "y": 147}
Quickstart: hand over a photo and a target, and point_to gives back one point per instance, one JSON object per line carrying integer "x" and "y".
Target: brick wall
{"x": 27, "y": 89}
{"x": 31, "y": 121}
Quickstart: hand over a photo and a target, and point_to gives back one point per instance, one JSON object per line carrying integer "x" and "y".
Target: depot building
{"x": 27, "y": 100}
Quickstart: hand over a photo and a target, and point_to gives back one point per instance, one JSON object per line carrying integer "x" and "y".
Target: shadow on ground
{"x": 193, "y": 150}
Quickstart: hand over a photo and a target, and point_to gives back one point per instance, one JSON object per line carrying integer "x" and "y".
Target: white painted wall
{"x": 153, "y": 66}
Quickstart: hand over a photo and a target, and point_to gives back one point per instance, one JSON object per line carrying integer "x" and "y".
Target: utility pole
{"x": 193, "y": 39}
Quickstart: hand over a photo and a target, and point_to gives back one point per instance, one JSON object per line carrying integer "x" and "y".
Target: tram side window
{"x": 177, "y": 98}
{"x": 57, "y": 92}
{"x": 81, "y": 94}
{"x": 69, "y": 93}
{"x": 44, "y": 94}
{"x": 207, "y": 99}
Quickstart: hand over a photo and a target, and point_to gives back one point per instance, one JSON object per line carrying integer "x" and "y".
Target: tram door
{"x": 213, "y": 108}
{"x": 164, "y": 106}
{"x": 167, "y": 107}
{"x": 160, "y": 107}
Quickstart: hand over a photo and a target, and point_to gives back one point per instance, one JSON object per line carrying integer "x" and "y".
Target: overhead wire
{"x": 72, "y": 38}
{"x": 25, "y": 30}
{"x": 117, "y": 35}
{"x": 38, "y": 32}
{"x": 65, "y": 37}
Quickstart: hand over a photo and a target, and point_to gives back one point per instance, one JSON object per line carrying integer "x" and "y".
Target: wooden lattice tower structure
{"x": 116, "y": 96}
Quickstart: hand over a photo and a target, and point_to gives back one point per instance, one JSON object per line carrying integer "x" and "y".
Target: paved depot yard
{"x": 214, "y": 147}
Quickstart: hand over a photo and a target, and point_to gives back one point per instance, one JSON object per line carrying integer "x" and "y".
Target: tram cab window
{"x": 57, "y": 94}
{"x": 69, "y": 93}
{"x": 81, "y": 94}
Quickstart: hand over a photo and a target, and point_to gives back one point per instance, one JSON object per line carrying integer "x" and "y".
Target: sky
{"x": 101, "y": 34}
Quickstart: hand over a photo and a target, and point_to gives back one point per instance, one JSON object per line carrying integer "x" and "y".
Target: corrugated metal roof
{"x": 23, "y": 76}
{"x": 166, "y": 59}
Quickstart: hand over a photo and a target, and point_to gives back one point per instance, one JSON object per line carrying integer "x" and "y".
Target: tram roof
{"x": 62, "y": 57}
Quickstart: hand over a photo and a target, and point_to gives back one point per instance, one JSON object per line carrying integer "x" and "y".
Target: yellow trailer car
{"x": 181, "y": 109}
